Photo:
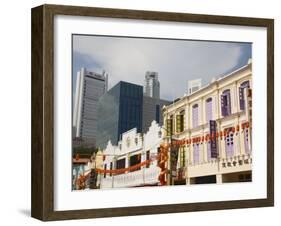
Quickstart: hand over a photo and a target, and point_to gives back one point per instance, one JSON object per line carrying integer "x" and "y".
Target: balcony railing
{"x": 221, "y": 166}
{"x": 144, "y": 176}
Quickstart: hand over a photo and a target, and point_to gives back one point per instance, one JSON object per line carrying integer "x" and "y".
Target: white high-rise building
{"x": 194, "y": 85}
{"x": 152, "y": 85}
{"x": 90, "y": 86}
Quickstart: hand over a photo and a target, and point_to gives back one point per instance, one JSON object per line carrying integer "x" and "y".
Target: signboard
{"x": 174, "y": 159}
{"x": 213, "y": 143}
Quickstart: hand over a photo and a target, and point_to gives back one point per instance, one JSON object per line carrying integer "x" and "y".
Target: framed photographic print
{"x": 141, "y": 112}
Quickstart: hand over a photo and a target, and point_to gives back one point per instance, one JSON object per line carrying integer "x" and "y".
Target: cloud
{"x": 176, "y": 61}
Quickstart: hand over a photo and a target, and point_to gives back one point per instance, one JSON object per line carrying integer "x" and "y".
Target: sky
{"x": 176, "y": 61}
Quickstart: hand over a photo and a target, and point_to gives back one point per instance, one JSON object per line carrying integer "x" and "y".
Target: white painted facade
{"x": 223, "y": 166}
{"x": 133, "y": 144}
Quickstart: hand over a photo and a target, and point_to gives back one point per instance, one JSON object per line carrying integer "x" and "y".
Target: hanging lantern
{"x": 233, "y": 129}
{"x": 247, "y": 124}
{"x": 237, "y": 128}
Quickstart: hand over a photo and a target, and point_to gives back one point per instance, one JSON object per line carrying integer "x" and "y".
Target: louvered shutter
{"x": 178, "y": 126}
{"x": 169, "y": 127}
{"x": 241, "y": 99}
{"x": 228, "y": 99}
{"x": 223, "y": 105}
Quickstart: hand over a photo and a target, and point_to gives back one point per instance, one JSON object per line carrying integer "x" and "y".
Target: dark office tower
{"x": 152, "y": 110}
{"x": 119, "y": 110}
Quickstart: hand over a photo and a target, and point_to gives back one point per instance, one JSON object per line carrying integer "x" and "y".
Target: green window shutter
{"x": 169, "y": 126}
{"x": 182, "y": 123}
{"x": 178, "y": 126}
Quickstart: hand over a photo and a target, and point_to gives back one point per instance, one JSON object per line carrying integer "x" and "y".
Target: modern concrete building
{"x": 152, "y": 110}
{"x": 151, "y": 85}
{"x": 90, "y": 86}
{"x": 194, "y": 85}
{"x": 213, "y": 128}
{"x": 119, "y": 110}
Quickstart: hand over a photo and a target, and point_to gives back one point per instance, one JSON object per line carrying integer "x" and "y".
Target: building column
{"x": 238, "y": 150}
{"x": 127, "y": 160}
{"x": 219, "y": 178}
{"x": 187, "y": 180}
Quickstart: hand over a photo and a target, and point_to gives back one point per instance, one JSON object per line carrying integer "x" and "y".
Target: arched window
{"x": 226, "y": 103}
{"x": 209, "y": 109}
{"x": 195, "y": 117}
{"x": 242, "y": 100}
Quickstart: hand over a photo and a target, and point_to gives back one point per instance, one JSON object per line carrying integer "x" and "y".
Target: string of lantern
{"x": 212, "y": 136}
{"x": 162, "y": 157}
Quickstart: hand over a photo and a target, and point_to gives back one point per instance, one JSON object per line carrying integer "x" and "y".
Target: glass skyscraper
{"x": 119, "y": 110}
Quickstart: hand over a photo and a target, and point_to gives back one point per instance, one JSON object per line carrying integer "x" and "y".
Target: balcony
{"x": 236, "y": 164}
{"x": 142, "y": 177}
{"x": 221, "y": 166}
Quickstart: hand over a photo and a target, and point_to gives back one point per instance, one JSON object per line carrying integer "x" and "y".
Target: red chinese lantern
{"x": 243, "y": 126}
{"x": 247, "y": 124}
{"x": 233, "y": 129}
{"x": 237, "y": 128}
